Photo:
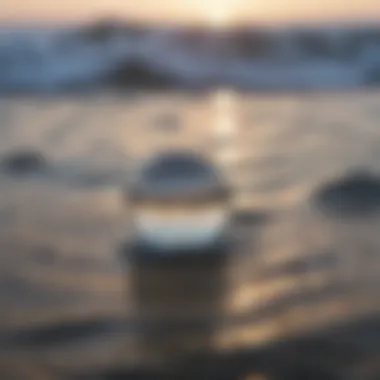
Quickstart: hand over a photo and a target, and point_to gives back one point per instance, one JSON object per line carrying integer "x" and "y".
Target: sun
{"x": 218, "y": 14}
{"x": 219, "y": 18}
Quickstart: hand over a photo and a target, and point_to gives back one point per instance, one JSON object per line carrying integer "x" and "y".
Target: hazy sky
{"x": 190, "y": 10}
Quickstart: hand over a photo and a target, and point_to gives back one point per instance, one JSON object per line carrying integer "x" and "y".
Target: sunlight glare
{"x": 219, "y": 18}
{"x": 225, "y": 126}
{"x": 218, "y": 13}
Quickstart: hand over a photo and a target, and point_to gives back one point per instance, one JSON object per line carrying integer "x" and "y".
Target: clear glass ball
{"x": 180, "y": 202}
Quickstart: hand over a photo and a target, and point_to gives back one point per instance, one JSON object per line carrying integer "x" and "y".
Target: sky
{"x": 221, "y": 12}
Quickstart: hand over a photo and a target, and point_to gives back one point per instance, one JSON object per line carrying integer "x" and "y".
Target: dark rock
{"x": 256, "y": 44}
{"x": 24, "y": 162}
{"x": 246, "y": 44}
{"x": 192, "y": 39}
{"x": 137, "y": 74}
{"x": 356, "y": 195}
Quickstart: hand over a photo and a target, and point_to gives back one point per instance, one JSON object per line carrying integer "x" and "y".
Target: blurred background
{"x": 281, "y": 96}
{"x": 185, "y": 44}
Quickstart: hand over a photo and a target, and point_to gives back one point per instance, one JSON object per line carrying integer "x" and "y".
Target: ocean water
{"x": 288, "y": 58}
{"x": 66, "y": 302}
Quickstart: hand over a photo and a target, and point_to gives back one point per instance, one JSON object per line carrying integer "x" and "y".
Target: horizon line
{"x": 149, "y": 23}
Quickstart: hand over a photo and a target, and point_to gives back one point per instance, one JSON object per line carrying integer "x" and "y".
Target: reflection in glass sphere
{"x": 180, "y": 203}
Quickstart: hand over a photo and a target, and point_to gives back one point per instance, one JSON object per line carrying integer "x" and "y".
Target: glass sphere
{"x": 180, "y": 203}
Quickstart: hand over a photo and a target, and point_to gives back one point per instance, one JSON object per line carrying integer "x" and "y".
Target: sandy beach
{"x": 65, "y": 299}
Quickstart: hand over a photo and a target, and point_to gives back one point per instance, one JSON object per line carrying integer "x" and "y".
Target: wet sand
{"x": 65, "y": 296}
